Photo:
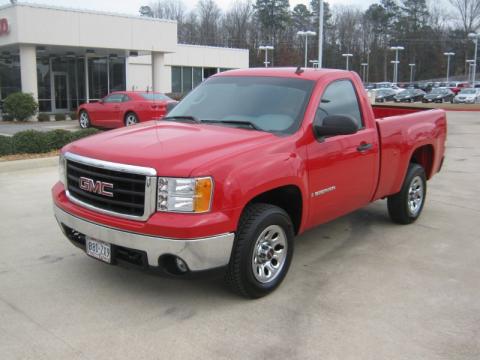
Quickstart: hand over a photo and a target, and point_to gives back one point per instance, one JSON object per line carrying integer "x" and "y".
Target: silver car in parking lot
{"x": 467, "y": 96}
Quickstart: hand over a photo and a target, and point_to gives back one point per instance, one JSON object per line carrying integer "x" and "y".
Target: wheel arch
{"x": 424, "y": 156}
{"x": 286, "y": 197}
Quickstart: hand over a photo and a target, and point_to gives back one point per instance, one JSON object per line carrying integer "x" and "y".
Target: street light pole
{"x": 411, "y": 72}
{"x": 448, "y": 55}
{"x": 266, "y": 48}
{"x": 306, "y": 34}
{"x": 320, "y": 33}
{"x": 347, "y": 56}
{"x": 474, "y": 37}
{"x": 364, "y": 66}
{"x": 395, "y": 64}
{"x": 395, "y": 70}
{"x": 470, "y": 65}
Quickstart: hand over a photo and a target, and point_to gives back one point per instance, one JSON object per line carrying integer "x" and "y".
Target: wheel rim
{"x": 131, "y": 120}
{"x": 84, "y": 120}
{"x": 415, "y": 195}
{"x": 269, "y": 254}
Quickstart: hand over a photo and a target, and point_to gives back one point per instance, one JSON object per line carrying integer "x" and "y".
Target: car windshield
{"x": 384, "y": 92}
{"x": 407, "y": 92}
{"x": 438, "y": 91}
{"x": 154, "y": 96}
{"x": 468, "y": 92}
{"x": 264, "y": 103}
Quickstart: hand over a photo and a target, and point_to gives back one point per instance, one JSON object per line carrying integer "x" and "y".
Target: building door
{"x": 61, "y": 92}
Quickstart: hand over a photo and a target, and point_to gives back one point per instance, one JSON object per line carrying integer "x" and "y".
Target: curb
{"x": 28, "y": 164}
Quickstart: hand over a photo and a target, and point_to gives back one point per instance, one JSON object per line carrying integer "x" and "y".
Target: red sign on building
{"x": 4, "y": 28}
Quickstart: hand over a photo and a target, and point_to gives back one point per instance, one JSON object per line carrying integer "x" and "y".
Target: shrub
{"x": 73, "y": 115}
{"x": 6, "y": 145}
{"x": 57, "y": 139}
{"x": 43, "y": 117}
{"x": 20, "y": 105}
{"x": 31, "y": 142}
{"x": 79, "y": 134}
{"x": 60, "y": 117}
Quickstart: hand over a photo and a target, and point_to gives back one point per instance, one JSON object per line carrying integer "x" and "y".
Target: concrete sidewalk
{"x": 9, "y": 128}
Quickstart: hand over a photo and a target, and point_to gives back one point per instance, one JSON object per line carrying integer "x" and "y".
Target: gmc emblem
{"x": 97, "y": 187}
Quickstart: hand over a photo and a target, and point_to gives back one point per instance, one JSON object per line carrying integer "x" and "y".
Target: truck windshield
{"x": 270, "y": 104}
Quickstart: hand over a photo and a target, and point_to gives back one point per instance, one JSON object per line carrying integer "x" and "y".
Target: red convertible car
{"x": 124, "y": 108}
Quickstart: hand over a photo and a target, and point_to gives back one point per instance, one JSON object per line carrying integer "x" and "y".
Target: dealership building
{"x": 65, "y": 57}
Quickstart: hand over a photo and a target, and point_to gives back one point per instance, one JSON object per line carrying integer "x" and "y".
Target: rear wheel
{"x": 406, "y": 206}
{"x": 131, "y": 119}
{"x": 262, "y": 251}
{"x": 84, "y": 120}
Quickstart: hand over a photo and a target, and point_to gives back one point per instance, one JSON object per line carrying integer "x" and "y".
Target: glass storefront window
{"x": 43, "y": 80}
{"x": 117, "y": 74}
{"x": 97, "y": 78}
{"x": 197, "y": 76}
{"x": 176, "y": 79}
{"x": 186, "y": 79}
{"x": 9, "y": 75}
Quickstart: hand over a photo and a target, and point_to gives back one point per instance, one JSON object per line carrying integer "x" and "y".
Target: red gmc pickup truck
{"x": 245, "y": 162}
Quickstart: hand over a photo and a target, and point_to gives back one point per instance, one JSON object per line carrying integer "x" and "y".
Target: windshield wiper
{"x": 183, "y": 117}
{"x": 235, "y": 122}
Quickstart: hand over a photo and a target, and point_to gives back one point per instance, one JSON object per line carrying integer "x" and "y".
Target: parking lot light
{"x": 306, "y": 34}
{"x": 364, "y": 67}
{"x": 474, "y": 37}
{"x": 266, "y": 48}
{"x": 412, "y": 66}
{"x": 347, "y": 56}
{"x": 448, "y": 55}
{"x": 395, "y": 70}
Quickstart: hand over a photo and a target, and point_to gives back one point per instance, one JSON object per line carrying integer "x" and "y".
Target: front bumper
{"x": 199, "y": 254}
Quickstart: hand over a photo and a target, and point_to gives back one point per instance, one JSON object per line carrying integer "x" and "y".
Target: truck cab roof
{"x": 288, "y": 72}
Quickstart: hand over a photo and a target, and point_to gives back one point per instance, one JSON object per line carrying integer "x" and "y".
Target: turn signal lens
{"x": 203, "y": 194}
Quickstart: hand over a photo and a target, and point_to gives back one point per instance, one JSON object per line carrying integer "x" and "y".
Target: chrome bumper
{"x": 199, "y": 254}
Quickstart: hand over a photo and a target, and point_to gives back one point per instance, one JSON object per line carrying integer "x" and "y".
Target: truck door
{"x": 342, "y": 170}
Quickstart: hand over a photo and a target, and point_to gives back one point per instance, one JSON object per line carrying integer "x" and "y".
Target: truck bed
{"x": 401, "y": 132}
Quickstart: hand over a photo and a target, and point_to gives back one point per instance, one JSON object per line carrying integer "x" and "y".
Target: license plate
{"x": 99, "y": 250}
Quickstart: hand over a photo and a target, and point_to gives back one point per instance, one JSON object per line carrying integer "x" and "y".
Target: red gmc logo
{"x": 97, "y": 187}
{"x": 4, "y": 28}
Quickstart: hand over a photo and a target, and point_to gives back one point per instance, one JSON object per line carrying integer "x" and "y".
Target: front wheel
{"x": 406, "y": 206}
{"x": 131, "y": 119}
{"x": 84, "y": 120}
{"x": 262, "y": 251}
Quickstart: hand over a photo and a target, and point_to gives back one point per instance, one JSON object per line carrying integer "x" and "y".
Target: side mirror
{"x": 333, "y": 125}
{"x": 101, "y": 101}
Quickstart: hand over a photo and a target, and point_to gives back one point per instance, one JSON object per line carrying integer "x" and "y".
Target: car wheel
{"x": 131, "y": 119}
{"x": 406, "y": 206}
{"x": 262, "y": 251}
{"x": 84, "y": 120}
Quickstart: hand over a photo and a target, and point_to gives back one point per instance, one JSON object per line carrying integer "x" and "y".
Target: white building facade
{"x": 65, "y": 57}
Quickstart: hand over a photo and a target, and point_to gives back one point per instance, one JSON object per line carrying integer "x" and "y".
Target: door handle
{"x": 364, "y": 147}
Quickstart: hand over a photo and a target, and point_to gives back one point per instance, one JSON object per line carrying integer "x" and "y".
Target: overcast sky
{"x": 132, "y": 6}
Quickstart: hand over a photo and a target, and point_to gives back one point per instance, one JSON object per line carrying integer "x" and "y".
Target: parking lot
{"x": 359, "y": 287}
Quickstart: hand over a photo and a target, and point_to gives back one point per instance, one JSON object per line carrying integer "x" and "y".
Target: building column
{"x": 28, "y": 70}
{"x": 158, "y": 72}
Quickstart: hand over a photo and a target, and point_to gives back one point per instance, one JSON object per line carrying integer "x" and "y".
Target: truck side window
{"x": 340, "y": 98}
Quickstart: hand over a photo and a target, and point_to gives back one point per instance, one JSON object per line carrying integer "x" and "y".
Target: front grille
{"x": 128, "y": 189}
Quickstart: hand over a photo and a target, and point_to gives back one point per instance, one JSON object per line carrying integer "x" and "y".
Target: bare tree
{"x": 237, "y": 23}
{"x": 209, "y": 17}
{"x": 168, "y": 9}
{"x": 469, "y": 11}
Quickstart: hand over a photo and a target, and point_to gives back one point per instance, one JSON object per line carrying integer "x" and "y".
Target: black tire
{"x": 84, "y": 120}
{"x": 131, "y": 119}
{"x": 256, "y": 219}
{"x": 398, "y": 204}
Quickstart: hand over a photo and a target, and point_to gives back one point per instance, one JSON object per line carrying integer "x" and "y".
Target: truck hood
{"x": 172, "y": 148}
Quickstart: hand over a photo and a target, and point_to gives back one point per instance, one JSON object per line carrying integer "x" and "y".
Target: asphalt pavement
{"x": 359, "y": 287}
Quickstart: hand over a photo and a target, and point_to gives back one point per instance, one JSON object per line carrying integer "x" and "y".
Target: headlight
{"x": 61, "y": 169}
{"x": 184, "y": 195}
